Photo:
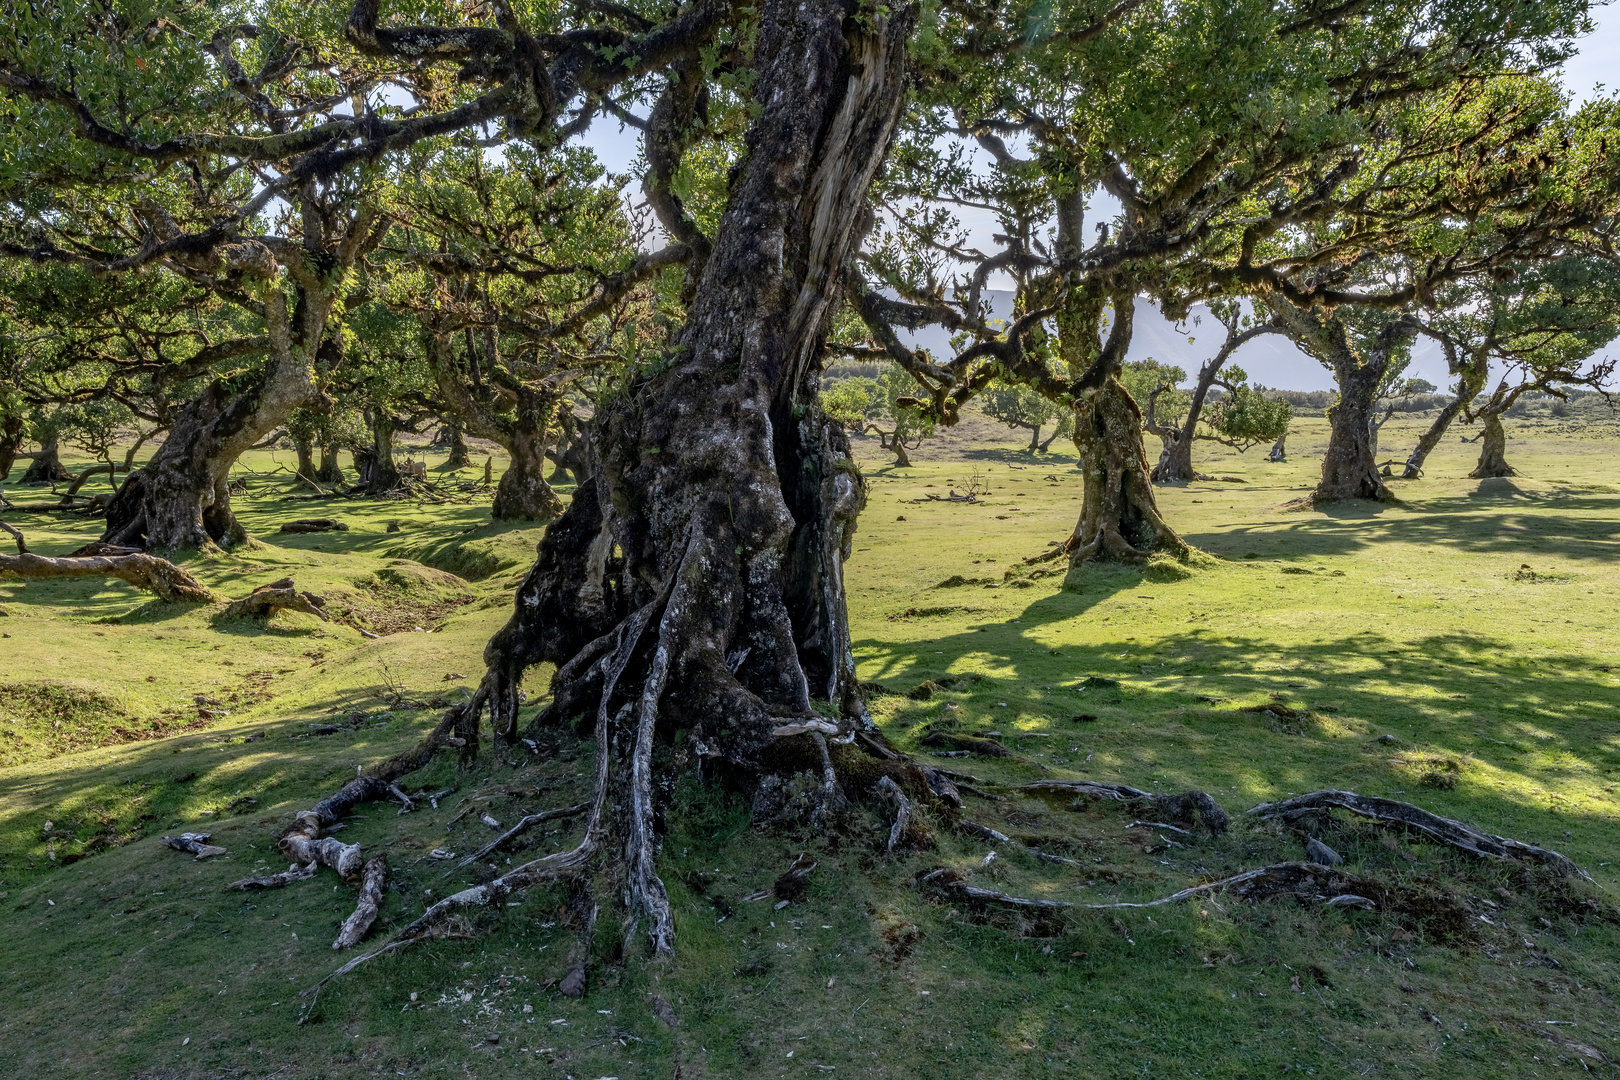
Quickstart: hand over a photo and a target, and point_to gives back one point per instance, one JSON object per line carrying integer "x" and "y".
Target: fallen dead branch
{"x": 143, "y": 571}
{"x": 275, "y": 881}
{"x": 1187, "y": 806}
{"x": 519, "y": 829}
{"x": 194, "y": 843}
{"x": 953, "y": 497}
{"x": 1444, "y": 830}
{"x": 281, "y": 595}
{"x": 365, "y": 912}
{"x": 22, "y": 545}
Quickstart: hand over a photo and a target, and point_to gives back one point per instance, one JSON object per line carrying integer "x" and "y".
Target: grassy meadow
{"x": 1459, "y": 650}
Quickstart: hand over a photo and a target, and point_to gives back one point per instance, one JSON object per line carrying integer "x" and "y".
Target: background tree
{"x": 1314, "y": 158}
{"x": 527, "y": 278}
{"x": 1018, "y": 406}
{"x": 1541, "y": 324}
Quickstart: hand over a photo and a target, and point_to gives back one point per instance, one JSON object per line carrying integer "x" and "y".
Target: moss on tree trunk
{"x": 695, "y": 581}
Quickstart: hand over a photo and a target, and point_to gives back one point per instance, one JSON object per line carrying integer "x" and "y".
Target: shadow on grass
{"x": 183, "y": 776}
{"x": 1009, "y": 456}
{"x": 1511, "y": 736}
{"x": 1476, "y": 523}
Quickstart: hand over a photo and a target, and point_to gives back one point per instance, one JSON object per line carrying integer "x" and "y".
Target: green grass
{"x": 1422, "y": 621}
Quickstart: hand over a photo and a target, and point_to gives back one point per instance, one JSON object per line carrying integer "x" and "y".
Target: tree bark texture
{"x": 1119, "y": 513}
{"x": 1492, "y": 449}
{"x": 46, "y": 466}
{"x": 523, "y": 493}
{"x": 696, "y": 579}
{"x": 1349, "y": 467}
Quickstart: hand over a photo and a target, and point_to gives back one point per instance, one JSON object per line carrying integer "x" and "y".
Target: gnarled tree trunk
{"x": 459, "y": 457}
{"x": 523, "y": 493}
{"x": 180, "y": 499}
{"x": 304, "y": 446}
{"x": 381, "y": 474}
{"x": 1349, "y": 467}
{"x": 330, "y": 470}
{"x": 1469, "y": 383}
{"x": 46, "y": 466}
{"x": 1492, "y": 449}
{"x": 11, "y": 438}
{"x": 1119, "y": 514}
{"x": 695, "y": 581}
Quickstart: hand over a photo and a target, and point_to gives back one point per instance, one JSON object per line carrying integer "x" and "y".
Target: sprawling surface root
{"x": 1188, "y": 806}
{"x": 1444, "y": 830}
{"x": 1305, "y": 880}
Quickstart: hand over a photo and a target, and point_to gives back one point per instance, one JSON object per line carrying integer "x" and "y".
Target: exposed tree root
{"x": 1187, "y": 806}
{"x": 266, "y": 600}
{"x": 1302, "y": 879}
{"x": 147, "y": 572}
{"x": 947, "y": 880}
{"x": 887, "y": 788}
{"x": 519, "y": 829}
{"x": 194, "y": 844}
{"x": 365, "y": 912}
{"x": 1444, "y": 830}
{"x": 434, "y": 920}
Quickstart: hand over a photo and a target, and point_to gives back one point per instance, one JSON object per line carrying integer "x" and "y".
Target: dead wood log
{"x": 275, "y": 881}
{"x": 947, "y": 880}
{"x": 523, "y": 826}
{"x": 194, "y": 843}
{"x": 22, "y": 545}
{"x": 1443, "y": 830}
{"x": 282, "y": 595}
{"x": 365, "y": 912}
{"x": 314, "y": 525}
{"x": 1188, "y": 806}
{"x": 143, "y": 571}
{"x": 887, "y": 788}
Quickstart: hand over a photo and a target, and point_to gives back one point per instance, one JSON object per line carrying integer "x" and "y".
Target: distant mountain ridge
{"x": 1271, "y": 360}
